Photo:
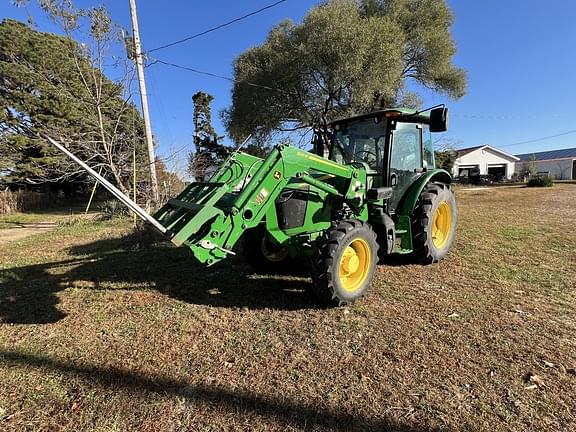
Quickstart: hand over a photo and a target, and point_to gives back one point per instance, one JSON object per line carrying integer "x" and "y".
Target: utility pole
{"x": 144, "y": 99}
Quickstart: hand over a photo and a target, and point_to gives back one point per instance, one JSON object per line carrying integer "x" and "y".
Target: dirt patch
{"x": 21, "y": 231}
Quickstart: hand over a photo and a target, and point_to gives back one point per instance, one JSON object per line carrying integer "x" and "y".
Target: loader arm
{"x": 210, "y": 217}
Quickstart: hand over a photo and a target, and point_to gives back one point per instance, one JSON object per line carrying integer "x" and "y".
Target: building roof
{"x": 462, "y": 152}
{"x": 551, "y": 154}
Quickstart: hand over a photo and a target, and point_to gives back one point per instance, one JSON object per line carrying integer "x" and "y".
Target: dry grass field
{"x": 96, "y": 335}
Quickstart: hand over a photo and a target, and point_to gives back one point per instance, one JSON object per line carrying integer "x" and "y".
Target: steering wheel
{"x": 364, "y": 151}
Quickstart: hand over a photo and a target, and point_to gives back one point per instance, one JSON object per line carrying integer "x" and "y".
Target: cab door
{"x": 405, "y": 160}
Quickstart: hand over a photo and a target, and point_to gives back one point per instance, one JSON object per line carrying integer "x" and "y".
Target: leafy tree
{"x": 346, "y": 57}
{"x": 427, "y": 45}
{"x": 529, "y": 166}
{"x": 445, "y": 153}
{"x": 445, "y": 159}
{"x": 208, "y": 151}
{"x": 51, "y": 85}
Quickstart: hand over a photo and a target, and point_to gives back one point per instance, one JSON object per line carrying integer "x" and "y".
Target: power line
{"x": 536, "y": 139}
{"x": 541, "y": 139}
{"x": 190, "y": 69}
{"x": 475, "y": 116}
{"x": 218, "y": 27}
{"x": 197, "y": 71}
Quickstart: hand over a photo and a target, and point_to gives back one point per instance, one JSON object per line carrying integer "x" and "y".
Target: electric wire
{"x": 200, "y": 72}
{"x": 527, "y": 141}
{"x": 218, "y": 27}
{"x": 540, "y": 139}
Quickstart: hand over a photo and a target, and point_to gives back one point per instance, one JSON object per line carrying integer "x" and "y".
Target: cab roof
{"x": 404, "y": 114}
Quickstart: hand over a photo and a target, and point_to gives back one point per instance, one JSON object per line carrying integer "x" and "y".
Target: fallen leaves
{"x": 535, "y": 381}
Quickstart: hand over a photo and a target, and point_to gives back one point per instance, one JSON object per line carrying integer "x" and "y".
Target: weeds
{"x": 111, "y": 209}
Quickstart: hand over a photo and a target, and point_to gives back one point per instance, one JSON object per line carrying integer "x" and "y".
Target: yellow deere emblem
{"x": 277, "y": 175}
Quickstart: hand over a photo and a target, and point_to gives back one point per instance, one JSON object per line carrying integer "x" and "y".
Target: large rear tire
{"x": 344, "y": 262}
{"x": 434, "y": 223}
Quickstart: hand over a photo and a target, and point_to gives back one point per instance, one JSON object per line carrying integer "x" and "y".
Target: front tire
{"x": 263, "y": 254}
{"x": 434, "y": 223}
{"x": 344, "y": 262}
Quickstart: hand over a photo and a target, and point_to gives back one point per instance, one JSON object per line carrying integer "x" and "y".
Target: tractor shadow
{"x": 28, "y": 294}
{"x": 292, "y": 414}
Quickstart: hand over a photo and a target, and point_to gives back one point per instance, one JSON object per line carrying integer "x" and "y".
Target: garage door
{"x": 497, "y": 171}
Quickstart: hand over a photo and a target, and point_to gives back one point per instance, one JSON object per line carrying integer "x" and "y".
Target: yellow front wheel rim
{"x": 441, "y": 225}
{"x": 355, "y": 265}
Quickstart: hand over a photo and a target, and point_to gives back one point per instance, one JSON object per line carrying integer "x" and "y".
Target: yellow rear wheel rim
{"x": 441, "y": 225}
{"x": 355, "y": 265}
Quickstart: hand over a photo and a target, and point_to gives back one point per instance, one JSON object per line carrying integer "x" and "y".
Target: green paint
{"x": 242, "y": 194}
{"x": 413, "y": 193}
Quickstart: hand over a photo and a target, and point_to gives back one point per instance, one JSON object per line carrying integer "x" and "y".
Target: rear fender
{"x": 410, "y": 198}
{"x": 408, "y": 203}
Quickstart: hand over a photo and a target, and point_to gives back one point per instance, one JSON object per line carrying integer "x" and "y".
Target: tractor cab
{"x": 395, "y": 146}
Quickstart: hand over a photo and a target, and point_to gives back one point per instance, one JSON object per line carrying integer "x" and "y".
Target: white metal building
{"x": 559, "y": 164}
{"x": 484, "y": 160}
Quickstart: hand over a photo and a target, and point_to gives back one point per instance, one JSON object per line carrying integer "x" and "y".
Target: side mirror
{"x": 439, "y": 119}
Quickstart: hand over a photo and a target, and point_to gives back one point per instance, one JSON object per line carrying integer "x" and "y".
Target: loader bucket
{"x": 188, "y": 218}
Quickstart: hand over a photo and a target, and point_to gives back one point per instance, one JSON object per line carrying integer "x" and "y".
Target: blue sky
{"x": 519, "y": 55}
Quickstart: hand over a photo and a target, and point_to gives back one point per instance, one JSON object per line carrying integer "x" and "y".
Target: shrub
{"x": 112, "y": 208}
{"x": 541, "y": 181}
{"x": 143, "y": 236}
{"x": 9, "y": 202}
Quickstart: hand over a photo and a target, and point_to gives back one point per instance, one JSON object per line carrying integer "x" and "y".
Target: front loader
{"x": 376, "y": 193}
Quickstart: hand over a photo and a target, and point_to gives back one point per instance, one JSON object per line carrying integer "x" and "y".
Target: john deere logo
{"x": 277, "y": 175}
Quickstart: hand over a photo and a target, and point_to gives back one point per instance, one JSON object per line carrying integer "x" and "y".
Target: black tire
{"x": 330, "y": 257}
{"x": 432, "y": 231}
{"x": 263, "y": 254}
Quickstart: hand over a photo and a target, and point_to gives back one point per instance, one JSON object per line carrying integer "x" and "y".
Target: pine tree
{"x": 208, "y": 152}
{"x": 51, "y": 85}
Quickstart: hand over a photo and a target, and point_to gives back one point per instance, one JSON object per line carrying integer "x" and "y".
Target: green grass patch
{"x": 18, "y": 219}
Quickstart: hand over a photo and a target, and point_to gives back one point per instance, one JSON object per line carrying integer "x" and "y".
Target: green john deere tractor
{"x": 376, "y": 192}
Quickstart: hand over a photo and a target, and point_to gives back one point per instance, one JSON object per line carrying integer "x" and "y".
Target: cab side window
{"x": 406, "y": 154}
{"x": 405, "y": 160}
{"x": 428, "y": 148}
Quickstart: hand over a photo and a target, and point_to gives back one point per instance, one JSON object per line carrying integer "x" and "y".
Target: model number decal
{"x": 261, "y": 196}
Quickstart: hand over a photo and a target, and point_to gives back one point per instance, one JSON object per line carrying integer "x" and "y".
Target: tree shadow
{"x": 28, "y": 293}
{"x": 291, "y": 413}
{"x": 18, "y": 224}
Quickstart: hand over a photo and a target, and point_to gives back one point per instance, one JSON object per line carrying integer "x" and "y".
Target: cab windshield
{"x": 360, "y": 141}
